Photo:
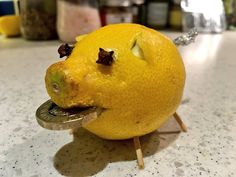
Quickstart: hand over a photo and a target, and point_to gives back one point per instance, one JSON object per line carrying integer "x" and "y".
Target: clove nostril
{"x": 55, "y": 87}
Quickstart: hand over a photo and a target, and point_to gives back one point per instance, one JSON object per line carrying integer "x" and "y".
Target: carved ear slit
{"x": 137, "y": 50}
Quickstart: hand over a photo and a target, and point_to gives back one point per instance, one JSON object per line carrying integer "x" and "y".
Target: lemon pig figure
{"x": 131, "y": 79}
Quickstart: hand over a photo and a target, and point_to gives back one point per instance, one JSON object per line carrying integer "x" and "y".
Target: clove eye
{"x": 65, "y": 50}
{"x": 105, "y": 57}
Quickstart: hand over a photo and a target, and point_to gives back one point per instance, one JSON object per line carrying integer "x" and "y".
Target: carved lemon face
{"x": 140, "y": 88}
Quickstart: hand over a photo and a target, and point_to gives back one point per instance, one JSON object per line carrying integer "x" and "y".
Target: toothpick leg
{"x": 180, "y": 122}
{"x": 138, "y": 152}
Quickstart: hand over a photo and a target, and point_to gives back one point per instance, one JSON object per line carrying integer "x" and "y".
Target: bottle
{"x": 139, "y": 12}
{"x": 76, "y": 17}
{"x": 230, "y": 13}
{"x": 157, "y": 13}
{"x": 116, "y": 11}
{"x": 175, "y": 15}
{"x": 38, "y": 19}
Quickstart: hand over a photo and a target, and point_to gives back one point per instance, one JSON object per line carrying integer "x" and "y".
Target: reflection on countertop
{"x": 208, "y": 109}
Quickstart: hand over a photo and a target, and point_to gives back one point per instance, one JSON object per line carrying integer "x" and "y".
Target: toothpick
{"x": 138, "y": 152}
{"x": 180, "y": 122}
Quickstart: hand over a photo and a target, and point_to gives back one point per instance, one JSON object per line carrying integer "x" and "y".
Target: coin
{"x": 52, "y": 117}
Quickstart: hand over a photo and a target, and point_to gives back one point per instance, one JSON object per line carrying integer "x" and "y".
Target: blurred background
{"x": 31, "y": 32}
{"x": 65, "y": 19}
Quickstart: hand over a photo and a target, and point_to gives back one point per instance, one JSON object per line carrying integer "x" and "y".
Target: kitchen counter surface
{"x": 208, "y": 109}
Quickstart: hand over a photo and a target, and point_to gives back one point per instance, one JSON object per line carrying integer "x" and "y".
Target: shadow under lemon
{"x": 88, "y": 154}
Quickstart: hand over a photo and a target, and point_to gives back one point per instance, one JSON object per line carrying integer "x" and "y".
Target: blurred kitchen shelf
{"x": 20, "y": 42}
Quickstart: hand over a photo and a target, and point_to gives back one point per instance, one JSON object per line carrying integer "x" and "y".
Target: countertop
{"x": 208, "y": 109}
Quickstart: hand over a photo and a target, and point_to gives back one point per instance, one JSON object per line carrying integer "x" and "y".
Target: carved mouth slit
{"x": 58, "y": 111}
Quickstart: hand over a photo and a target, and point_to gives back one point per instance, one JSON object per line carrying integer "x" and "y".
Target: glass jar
{"x": 116, "y": 11}
{"x": 157, "y": 13}
{"x": 230, "y": 13}
{"x": 6, "y": 7}
{"x": 175, "y": 15}
{"x": 38, "y": 19}
{"x": 76, "y": 17}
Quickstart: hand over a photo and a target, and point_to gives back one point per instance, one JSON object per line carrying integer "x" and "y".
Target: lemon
{"x": 10, "y": 25}
{"x": 139, "y": 91}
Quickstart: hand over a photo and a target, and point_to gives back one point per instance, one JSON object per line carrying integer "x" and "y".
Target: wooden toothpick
{"x": 138, "y": 152}
{"x": 180, "y": 122}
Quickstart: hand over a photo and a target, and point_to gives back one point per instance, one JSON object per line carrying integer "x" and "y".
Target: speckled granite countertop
{"x": 208, "y": 109}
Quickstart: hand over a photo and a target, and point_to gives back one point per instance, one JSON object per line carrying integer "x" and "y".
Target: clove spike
{"x": 105, "y": 57}
{"x": 65, "y": 50}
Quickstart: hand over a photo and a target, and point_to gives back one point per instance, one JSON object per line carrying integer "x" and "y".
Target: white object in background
{"x": 205, "y": 15}
{"x": 119, "y": 18}
{"x": 76, "y": 19}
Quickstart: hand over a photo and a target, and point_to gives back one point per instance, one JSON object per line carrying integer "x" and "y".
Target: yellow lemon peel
{"x": 140, "y": 90}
